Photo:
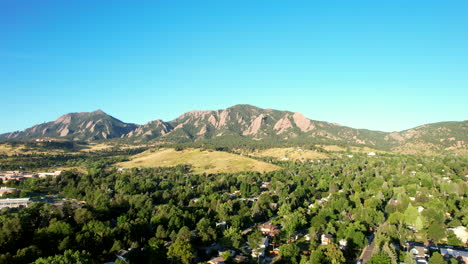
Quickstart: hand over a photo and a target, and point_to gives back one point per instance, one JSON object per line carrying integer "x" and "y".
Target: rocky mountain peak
{"x": 247, "y": 122}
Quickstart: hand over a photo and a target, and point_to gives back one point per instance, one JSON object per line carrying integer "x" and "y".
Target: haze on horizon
{"x": 378, "y": 65}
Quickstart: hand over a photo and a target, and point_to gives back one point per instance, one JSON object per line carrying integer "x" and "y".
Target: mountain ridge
{"x": 245, "y": 122}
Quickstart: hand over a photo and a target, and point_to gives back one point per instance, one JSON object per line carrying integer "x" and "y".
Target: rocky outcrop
{"x": 282, "y": 125}
{"x": 255, "y": 126}
{"x": 304, "y": 124}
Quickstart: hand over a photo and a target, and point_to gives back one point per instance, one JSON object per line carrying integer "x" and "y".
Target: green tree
{"x": 184, "y": 234}
{"x": 380, "y": 258}
{"x": 180, "y": 252}
{"x": 68, "y": 257}
{"x": 289, "y": 251}
{"x": 82, "y": 215}
{"x": 318, "y": 257}
{"x": 329, "y": 254}
{"x": 334, "y": 254}
{"x": 254, "y": 239}
{"x": 226, "y": 255}
{"x": 453, "y": 240}
{"x": 436, "y": 231}
{"x": 293, "y": 222}
{"x": 409, "y": 259}
{"x": 232, "y": 237}
{"x": 437, "y": 259}
{"x": 206, "y": 231}
{"x": 161, "y": 232}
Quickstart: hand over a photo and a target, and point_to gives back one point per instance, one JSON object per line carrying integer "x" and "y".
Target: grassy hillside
{"x": 289, "y": 154}
{"x": 27, "y": 148}
{"x": 201, "y": 160}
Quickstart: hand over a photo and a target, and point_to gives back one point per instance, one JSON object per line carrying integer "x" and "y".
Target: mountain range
{"x": 246, "y": 123}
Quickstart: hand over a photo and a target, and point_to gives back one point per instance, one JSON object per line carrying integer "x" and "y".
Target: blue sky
{"x": 384, "y": 65}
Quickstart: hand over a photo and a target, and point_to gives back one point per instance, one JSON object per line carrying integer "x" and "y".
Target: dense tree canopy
{"x": 176, "y": 215}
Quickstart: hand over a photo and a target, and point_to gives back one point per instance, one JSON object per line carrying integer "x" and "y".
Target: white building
{"x": 4, "y": 190}
{"x": 260, "y": 250}
{"x": 14, "y": 203}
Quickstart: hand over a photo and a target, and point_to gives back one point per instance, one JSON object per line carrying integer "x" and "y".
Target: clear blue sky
{"x": 384, "y": 65}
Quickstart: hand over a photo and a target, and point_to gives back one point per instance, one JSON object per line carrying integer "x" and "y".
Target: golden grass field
{"x": 201, "y": 160}
{"x": 8, "y": 150}
{"x": 289, "y": 154}
{"x": 354, "y": 149}
{"x": 21, "y": 149}
{"x": 332, "y": 148}
{"x": 95, "y": 147}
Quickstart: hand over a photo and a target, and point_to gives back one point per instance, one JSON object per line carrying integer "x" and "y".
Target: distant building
{"x": 8, "y": 177}
{"x": 455, "y": 253}
{"x": 4, "y": 190}
{"x": 221, "y": 224}
{"x": 420, "y": 209}
{"x": 217, "y": 260}
{"x": 326, "y": 239}
{"x": 419, "y": 251}
{"x": 45, "y": 140}
{"x": 240, "y": 259}
{"x": 14, "y": 202}
{"x": 461, "y": 233}
{"x": 264, "y": 185}
{"x": 393, "y": 202}
{"x": 371, "y": 154}
{"x": 269, "y": 229}
{"x": 45, "y": 174}
{"x": 122, "y": 254}
{"x": 260, "y": 250}
{"x": 343, "y": 244}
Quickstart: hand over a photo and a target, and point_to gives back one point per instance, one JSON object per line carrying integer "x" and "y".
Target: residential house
{"x": 343, "y": 244}
{"x": 264, "y": 185}
{"x": 4, "y": 190}
{"x": 269, "y": 229}
{"x": 326, "y": 239}
{"x": 260, "y": 250}
{"x": 457, "y": 253}
{"x": 217, "y": 260}
{"x": 419, "y": 251}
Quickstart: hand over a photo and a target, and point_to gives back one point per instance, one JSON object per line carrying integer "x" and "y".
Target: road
{"x": 367, "y": 252}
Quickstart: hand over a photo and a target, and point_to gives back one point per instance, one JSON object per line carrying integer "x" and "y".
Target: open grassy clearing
{"x": 289, "y": 154}
{"x": 21, "y": 149}
{"x": 201, "y": 160}
{"x": 6, "y": 149}
{"x": 332, "y": 148}
{"x": 354, "y": 149}
{"x": 94, "y": 147}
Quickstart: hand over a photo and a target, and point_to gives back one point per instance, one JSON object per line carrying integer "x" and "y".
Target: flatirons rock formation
{"x": 76, "y": 126}
{"x": 246, "y": 122}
